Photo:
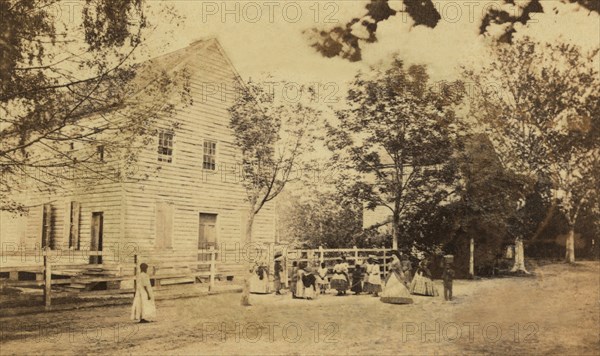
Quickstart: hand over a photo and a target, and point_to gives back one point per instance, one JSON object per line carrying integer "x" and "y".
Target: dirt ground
{"x": 555, "y": 312}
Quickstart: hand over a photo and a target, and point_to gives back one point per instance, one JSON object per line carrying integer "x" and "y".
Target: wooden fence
{"x": 123, "y": 270}
{"x": 320, "y": 255}
{"x": 163, "y": 266}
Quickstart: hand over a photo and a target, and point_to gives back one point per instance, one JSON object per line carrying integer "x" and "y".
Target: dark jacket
{"x": 448, "y": 276}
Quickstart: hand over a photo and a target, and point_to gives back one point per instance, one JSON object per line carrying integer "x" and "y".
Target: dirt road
{"x": 555, "y": 312}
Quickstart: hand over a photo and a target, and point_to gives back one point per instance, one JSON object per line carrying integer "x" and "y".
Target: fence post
{"x": 355, "y": 254}
{"x": 285, "y": 269}
{"x": 213, "y": 270}
{"x": 156, "y": 280}
{"x": 135, "y": 272}
{"x": 47, "y": 281}
{"x": 321, "y": 255}
{"x": 384, "y": 263}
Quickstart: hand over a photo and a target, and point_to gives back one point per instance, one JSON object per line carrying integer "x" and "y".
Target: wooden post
{"x": 471, "y": 258}
{"x": 384, "y": 264}
{"x": 213, "y": 269}
{"x": 285, "y": 269}
{"x": 135, "y": 272}
{"x": 355, "y": 255}
{"x": 156, "y": 280}
{"x": 47, "y": 281}
{"x": 321, "y": 255}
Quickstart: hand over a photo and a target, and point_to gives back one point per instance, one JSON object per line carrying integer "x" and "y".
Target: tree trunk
{"x": 248, "y": 264}
{"x": 570, "y": 254}
{"x": 395, "y": 231}
{"x": 472, "y": 258}
{"x": 519, "y": 257}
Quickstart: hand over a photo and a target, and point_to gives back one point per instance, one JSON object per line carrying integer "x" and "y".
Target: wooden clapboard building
{"x": 188, "y": 195}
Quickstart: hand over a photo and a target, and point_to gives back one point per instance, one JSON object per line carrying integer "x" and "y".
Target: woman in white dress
{"x": 259, "y": 283}
{"x": 299, "y": 283}
{"x": 394, "y": 290}
{"x": 373, "y": 285}
{"x": 143, "y": 308}
{"x": 339, "y": 280}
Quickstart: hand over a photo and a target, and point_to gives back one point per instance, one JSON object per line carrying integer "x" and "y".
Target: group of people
{"x": 307, "y": 282}
{"x": 397, "y": 287}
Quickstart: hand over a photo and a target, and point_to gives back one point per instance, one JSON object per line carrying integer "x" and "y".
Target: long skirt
{"x": 395, "y": 292}
{"x": 322, "y": 282}
{"x": 299, "y": 290}
{"x": 259, "y": 286}
{"x": 357, "y": 285}
{"x": 339, "y": 282}
{"x": 407, "y": 278}
{"x": 373, "y": 284}
{"x": 277, "y": 284}
{"x": 142, "y": 307}
{"x": 309, "y": 292}
{"x": 293, "y": 286}
{"x": 423, "y": 285}
{"x": 372, "y": 287}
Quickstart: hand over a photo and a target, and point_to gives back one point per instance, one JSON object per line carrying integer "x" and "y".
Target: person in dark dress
{"x": 278, "y": 269}
{"x": 406, "y": 269}
{"x": 294, "y": 278}
{"x": 309, "y": 280}
{"x": 357, "y": 277}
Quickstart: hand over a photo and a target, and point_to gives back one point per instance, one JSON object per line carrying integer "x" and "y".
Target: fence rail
{"x": 354, "y": 254}
{"x": 51, "y": 270}
{"x": 46, "y": 268}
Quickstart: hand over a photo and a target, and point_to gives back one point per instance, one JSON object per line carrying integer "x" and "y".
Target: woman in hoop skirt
{"x": 422, "y": 283}
{"x": 394, "y": 290}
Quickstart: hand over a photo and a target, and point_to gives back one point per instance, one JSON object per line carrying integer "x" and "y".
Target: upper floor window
{"x": 209, "y": 157}
{"x": 165, "y": 146}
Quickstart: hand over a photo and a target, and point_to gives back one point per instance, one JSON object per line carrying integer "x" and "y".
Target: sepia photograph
{"x": 300, "y": 177}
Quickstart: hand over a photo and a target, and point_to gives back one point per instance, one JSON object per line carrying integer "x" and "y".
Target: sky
{"x": 267, "y": 36}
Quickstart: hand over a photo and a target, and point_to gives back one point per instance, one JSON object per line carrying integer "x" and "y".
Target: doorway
{"x": 207, "y": 234}
{"x": 96, "y": 241}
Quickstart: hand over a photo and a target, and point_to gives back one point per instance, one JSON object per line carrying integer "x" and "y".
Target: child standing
{"x": 322, "y": 280}
{"x": 448, "y": 277}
